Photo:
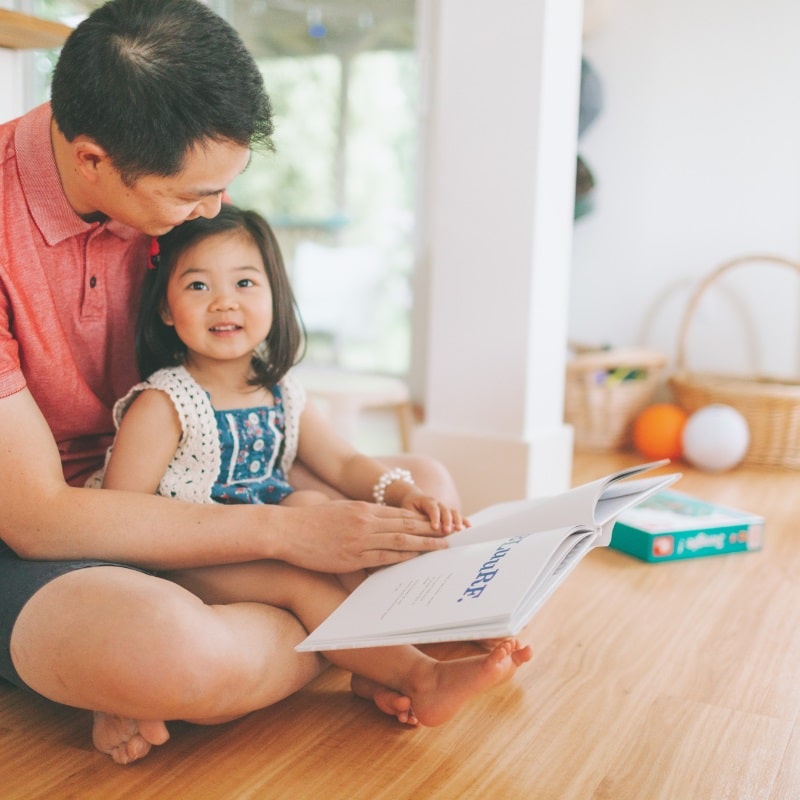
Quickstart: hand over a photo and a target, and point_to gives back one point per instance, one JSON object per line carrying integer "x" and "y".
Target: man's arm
{"x": 44, "y": 518}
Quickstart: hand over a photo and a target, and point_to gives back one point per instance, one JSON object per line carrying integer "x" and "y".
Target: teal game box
{"x": 672, "y": 525}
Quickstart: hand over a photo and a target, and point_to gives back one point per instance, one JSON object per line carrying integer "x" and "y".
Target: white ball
{"x": 715, "y": 438}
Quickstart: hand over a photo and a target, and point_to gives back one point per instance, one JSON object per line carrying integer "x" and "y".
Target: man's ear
{"x": 89, "y": 157}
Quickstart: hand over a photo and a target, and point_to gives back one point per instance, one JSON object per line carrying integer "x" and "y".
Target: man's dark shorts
{"x": 19, "y": 581}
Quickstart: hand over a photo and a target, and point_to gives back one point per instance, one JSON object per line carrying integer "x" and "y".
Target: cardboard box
{"x": 672, "y": 525}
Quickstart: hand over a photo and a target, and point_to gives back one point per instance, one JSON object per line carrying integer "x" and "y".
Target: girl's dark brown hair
{"x": 157, "y": 344}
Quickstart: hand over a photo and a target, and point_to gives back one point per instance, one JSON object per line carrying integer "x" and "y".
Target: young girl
{"x": 220, "y": 418}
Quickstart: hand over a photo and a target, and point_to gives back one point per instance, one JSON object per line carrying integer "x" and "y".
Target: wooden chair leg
{"x": 405, "y": 423}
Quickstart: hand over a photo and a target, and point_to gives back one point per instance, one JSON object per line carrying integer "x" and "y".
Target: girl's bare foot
{"x": 126, "y": 740}
{"x": 438, "y": 692}
{"x": 523, "y": 637}
{"x": 387, "y": 700}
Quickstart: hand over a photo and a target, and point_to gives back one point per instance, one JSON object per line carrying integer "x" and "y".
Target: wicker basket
{"x": 605, "y": 390}
{"x": 770, "y": 406}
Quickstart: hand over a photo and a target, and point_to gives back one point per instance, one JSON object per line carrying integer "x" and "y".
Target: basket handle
{"x": 683, "y": 330}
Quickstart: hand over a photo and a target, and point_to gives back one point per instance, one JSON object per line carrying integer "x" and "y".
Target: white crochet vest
{"x": 194, "y": 469}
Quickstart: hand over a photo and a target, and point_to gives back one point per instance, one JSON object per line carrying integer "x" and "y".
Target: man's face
{"x": 155, "y": 204}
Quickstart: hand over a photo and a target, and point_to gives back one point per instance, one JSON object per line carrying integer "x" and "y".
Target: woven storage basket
{"x": 605, "y": 390}
{"x": 770, "y": 406}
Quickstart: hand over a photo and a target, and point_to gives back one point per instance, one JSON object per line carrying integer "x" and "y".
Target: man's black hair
{"x": 148, "y": 80}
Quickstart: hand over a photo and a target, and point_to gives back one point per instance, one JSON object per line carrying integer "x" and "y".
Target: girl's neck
{"x": 228, "y": 383}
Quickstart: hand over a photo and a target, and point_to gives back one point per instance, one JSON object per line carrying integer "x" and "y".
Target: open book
{"x": 493, "y": 577}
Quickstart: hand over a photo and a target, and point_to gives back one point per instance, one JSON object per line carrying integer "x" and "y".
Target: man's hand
{"x": 347, "y": 535}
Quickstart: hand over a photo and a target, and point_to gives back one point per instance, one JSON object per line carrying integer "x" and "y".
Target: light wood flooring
{"x": 673, "y": 681}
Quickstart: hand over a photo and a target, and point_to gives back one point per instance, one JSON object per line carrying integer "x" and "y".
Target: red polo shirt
{"x": 68, "y": 294}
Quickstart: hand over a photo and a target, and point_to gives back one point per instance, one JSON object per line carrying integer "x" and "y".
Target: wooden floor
{"x": 674, "y": 681}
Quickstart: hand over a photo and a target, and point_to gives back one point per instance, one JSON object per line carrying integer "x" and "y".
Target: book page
{"x": 441, "y": 595}
{"x": 592, "y": 504}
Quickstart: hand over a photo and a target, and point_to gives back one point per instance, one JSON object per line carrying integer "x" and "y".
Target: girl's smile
{"x": 224, "y": 329}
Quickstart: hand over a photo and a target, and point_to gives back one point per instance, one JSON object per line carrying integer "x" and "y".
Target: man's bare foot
{"x": 126, "y": 740}
{"x": 387, "y": 700}
{"x": 439, "y": 691}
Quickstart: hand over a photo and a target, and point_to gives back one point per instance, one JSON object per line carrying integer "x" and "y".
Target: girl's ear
{"x": 165, "y": 314}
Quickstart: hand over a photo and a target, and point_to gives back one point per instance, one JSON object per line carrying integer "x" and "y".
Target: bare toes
{"x": 126, "y": 740}
{"x": 387, "y": 700}
{"x": 522, "y": 655}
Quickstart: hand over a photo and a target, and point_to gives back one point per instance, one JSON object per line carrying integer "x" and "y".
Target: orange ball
{"x": 658, "y": 429}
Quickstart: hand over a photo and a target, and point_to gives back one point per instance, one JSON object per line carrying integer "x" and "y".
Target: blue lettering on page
{"x": 488, "y": 570}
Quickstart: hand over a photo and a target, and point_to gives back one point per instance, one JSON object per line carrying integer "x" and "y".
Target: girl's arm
{"x": 146, "y": 442}
{"x": 321, "y": 450}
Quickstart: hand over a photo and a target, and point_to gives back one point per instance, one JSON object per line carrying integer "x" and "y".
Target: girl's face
{"x": 219, "y": 298}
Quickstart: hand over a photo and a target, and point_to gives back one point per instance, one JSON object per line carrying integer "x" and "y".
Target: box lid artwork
{"x": 673, "y": 525}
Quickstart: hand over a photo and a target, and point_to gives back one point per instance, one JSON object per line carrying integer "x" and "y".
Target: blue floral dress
{"x": 251, "y": 443}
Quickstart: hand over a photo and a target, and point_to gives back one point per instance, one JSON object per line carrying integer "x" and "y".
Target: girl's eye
{"x": 245, "y": 283}
{"x": 196, "y": 286}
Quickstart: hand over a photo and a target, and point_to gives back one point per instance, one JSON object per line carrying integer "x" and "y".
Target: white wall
{"x": 697, "y": 159}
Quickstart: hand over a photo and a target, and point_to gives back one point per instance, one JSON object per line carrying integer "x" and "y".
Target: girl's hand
{"x": 442, "y": 517}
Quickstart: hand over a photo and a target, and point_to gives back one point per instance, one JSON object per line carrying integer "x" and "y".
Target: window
{"x": 343, "y": 81}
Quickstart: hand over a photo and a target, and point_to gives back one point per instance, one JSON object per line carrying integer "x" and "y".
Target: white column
{"x": 502, "y": 115}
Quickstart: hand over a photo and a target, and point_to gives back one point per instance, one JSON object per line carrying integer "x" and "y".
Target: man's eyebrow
{"x": 211, "y": 192}
{"x": 203, "y": 192}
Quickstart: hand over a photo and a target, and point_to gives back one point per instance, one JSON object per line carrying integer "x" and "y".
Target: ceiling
{"x": 309, "y": 27}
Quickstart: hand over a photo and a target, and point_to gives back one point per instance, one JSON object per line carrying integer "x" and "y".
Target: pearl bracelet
{"x": 389, "y": 477}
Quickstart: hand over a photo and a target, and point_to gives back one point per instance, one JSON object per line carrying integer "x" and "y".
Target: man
{"x": 155, "y": 107}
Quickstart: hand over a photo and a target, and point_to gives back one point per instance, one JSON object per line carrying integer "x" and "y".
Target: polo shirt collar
{"x": 41, "y": 183}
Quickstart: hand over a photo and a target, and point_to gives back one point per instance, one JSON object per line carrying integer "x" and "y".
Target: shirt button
{"x": 92, "y": 282}
{"x": 258, "y": 445}
{"x": 255, "y": 466}
{"x": 253, "y": 417}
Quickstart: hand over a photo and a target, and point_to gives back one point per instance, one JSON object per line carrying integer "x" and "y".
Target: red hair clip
{"x": 154, "y": 253}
